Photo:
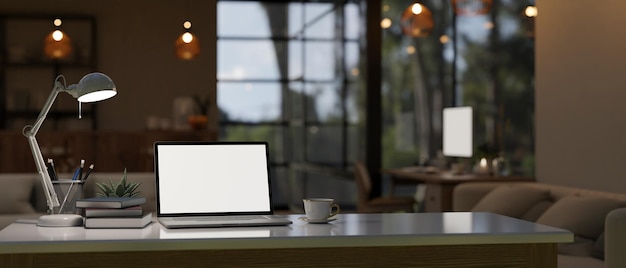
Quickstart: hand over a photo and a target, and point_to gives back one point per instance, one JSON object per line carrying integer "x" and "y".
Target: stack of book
{"x": 114, "y": 212}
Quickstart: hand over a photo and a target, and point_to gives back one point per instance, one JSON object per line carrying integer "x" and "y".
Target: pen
{"x": 76, "y": 174}
{"x": 52, "y": 170}
{"x": 82, "y": 165}
{"x": 88, "y": 172}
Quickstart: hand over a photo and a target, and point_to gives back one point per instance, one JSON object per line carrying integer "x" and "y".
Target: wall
{"x": 581, "y": 93}
{"x": 580, "y": 75}
{"x": 136, "y": 40}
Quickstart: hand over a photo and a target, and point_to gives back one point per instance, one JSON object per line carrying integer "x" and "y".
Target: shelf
{"x": 110, "y": 151}
{"x": 25, "y": 74}
{"x": 43, "y": 64}
{"x": 35, "y": 113}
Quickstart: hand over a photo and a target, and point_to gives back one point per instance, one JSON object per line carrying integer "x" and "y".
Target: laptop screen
{"x": 212, "y": 178}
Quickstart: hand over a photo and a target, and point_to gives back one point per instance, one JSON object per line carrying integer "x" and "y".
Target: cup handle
{"x": 336, "y": 207}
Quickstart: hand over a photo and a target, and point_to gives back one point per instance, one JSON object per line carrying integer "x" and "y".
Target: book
{"x": 119, "y": 222}
{"x": 117, "y": 233}
{"x": 110, "y": 202}
{"x": 113, "y": 212}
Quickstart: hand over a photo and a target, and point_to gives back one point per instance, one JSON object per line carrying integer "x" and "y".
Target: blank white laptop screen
{"x": 207, "y": 178}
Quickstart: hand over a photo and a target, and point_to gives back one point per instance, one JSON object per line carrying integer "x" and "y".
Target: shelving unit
{"x": 26, "y": 80}
{"x": 110, "y": 151}
{"x": 27, "y": 76}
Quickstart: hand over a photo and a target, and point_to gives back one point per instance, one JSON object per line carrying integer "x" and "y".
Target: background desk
{"x": 439, "y": 186}
{"x": 455, "y": 239}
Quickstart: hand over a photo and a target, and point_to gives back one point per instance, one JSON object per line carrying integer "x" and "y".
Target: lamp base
{"x": 60, "y": 220}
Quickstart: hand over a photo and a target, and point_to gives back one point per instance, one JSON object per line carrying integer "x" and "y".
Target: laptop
{"x": 213, "y": 184}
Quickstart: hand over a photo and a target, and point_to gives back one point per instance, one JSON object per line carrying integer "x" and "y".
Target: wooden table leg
{"x": 438, "y": 197}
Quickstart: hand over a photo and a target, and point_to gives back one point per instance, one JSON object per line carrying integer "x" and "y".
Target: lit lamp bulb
{"x": 416, "y": 9}
{"x": 187, "y": 37}
{"x": 57, "y": 35}
{"x": 385, "y": 23}
{"x": 57, "y": 45}
{"x": 530, "y": 11}
{"x": 444, "y": 39}
{"x": 187, "y": 46}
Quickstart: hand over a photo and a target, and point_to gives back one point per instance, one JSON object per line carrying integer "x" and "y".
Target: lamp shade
{"x": 57, "y": 45}
{"x": 472, "y": 7}
{"x": 417, "y": 21}
{"x": 187, "y": 46}
{"x": 93, "y": 87}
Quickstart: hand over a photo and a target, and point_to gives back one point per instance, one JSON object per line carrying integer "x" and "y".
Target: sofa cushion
{"x": 567, "y": 261}
{"x": 537, "y": 210}
{"x": 579, "y": 247}
{"x": 598, "y": 248}
{"x": 583, "y": 216}
{"x": 512, "y": 201}
{"x": 15, "y": 195}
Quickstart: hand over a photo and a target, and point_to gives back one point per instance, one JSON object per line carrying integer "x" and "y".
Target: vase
{"x": 198, "y": 122}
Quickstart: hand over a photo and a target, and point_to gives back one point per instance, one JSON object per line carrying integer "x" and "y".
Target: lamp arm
{"x": 30, "y": 131}
{"x": 51, "y": 195}
{"x": 58, "y": 87}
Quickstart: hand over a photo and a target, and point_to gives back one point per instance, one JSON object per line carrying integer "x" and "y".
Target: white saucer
{"x": 317, "y": 221}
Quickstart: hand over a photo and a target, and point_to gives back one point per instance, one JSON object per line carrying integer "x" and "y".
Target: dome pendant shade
{"x": 472, "y": 7}
{"x": 187, "y": 46}
{"x": 57, "y": 45}
{"x": 417, "y": 21}
{"x": 93, "y": 87}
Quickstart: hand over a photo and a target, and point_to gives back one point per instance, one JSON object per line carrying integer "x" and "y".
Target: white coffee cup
{"x": 320, "y": 208}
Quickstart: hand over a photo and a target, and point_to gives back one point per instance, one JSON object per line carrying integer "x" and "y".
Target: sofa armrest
{"x": 615, "y": 239}
{"x": 466, "y": 195}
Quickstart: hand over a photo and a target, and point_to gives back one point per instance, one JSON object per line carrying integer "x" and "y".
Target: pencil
{"x": 88, "y": 172}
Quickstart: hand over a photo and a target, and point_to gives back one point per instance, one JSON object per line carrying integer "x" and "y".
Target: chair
{"x": 378, "y": 204}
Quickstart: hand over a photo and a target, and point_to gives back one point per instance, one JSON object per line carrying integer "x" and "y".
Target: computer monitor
{"x": 457, "y": 132}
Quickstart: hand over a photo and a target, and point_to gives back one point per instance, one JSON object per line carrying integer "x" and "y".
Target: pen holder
{"x": 68, "y": 191}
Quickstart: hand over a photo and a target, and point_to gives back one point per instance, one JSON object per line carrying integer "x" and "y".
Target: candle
{"x": 483, "y": 164}
{"x": 482, "y": 167}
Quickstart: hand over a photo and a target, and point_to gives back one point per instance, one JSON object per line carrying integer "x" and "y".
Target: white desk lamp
{"x": 91, "y": 88}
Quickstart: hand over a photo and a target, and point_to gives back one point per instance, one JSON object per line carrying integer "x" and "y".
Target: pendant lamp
{"x": 187, "y": 46}
{"x": 471, "y": 7}
{"x": 57, "y": 45}
{"x": 417, "y": 21}
{"x": 530, "y": 13}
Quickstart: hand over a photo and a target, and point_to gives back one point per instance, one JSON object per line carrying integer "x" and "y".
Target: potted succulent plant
{"x": 122, "y": 188}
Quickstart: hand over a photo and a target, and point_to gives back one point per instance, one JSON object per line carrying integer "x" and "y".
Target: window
{"x": 484, "y": 61}
{"x": 292, "y": 73}
{"x": 289, "y": 73}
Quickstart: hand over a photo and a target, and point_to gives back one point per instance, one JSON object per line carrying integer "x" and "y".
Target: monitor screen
{"x": 457, "y": 132}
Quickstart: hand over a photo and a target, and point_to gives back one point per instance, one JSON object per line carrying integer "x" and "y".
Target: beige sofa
{"x": 597, "y": 219}
{"x": 22, "y": 196}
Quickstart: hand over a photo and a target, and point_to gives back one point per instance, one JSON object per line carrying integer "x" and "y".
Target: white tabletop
{"x": 398, "y": 229}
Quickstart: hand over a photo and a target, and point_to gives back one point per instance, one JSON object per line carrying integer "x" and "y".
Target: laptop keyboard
{"x": 221, "y": 218}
